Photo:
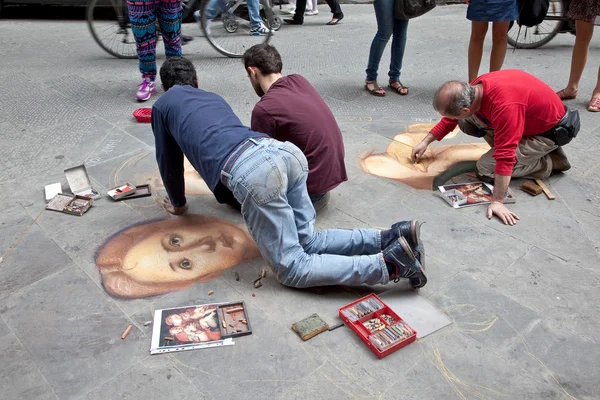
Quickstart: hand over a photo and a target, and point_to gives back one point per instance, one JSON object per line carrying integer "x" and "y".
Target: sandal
{"x": 564, "y": 96}
{"x": 594, "y": 104}
{"x": 400, "y": 89}
{"x": 377, "y": 90}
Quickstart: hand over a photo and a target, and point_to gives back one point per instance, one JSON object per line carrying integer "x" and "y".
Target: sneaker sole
{"x": 422, "y": 279}
{"x": 415, "y": 230}
{"x": 145, "y": 98}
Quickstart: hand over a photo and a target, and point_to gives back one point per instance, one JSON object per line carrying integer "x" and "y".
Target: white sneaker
{"x": 310, "y": 12}
{"x": 289, "y": 11}
{"x": 262, "y": 30}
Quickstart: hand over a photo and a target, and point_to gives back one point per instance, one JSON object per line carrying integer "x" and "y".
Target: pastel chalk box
{"x": 233, "y": 319}
{"x": 377, "y": 325}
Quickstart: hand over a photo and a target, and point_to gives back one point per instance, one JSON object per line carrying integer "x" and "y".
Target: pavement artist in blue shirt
{"x": 268, "y": 178}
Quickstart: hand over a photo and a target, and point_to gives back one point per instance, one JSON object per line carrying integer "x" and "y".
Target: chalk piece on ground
{"x": 124, "y": 335}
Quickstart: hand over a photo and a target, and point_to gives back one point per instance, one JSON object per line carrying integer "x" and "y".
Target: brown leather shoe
{"x": 560, "y": 163}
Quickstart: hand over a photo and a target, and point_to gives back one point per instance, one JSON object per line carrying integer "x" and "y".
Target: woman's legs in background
{"x": 499, "y": 43}
{"x": 398, "y": 47}
{"x": 478, "y": 31}
{"x": 169, "y": 19}
{"x": 142, "y": 15}
{"x": 384, "y": 13}
{"x": 585, "y": 31}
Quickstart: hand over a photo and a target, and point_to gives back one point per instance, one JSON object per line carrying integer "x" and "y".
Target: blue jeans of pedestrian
{"x": 214, "y": 7}
{"x": 387, "y": 26}
{"x": 269, "y": 181}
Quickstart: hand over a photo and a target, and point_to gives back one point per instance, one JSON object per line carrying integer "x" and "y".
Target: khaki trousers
{"x": 532, "y": 155}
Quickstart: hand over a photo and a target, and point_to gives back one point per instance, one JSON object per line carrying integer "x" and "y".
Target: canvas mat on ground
{"x": 417, "y": 311}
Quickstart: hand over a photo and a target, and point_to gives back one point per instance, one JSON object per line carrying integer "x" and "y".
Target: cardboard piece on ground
{"x": 80, "y": 183}
{"x": 417, "y": 311}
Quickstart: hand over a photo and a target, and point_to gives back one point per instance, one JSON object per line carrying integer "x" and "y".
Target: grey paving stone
{"x": 278, "y": 360}
{"x": 81, "y": 242}
{"x": 154, "y": 377}
{"x": 445, "y": 370}
{"x": 34, "y": 258}
{"x": 141, "y": 131}
{"x": 19, "y": 376}
{"x": 115, "y": 144}
{"x": 558, "y": 225}
{"x": 4, "y": 329}
{"x": 328, "y": 382}
{"x": 547, "y": 346}
{"x": 554, "y": 288}
{"x": 82, "y": 344}
{"x": 76, "y": 139}
{"x": 14, "y": 222}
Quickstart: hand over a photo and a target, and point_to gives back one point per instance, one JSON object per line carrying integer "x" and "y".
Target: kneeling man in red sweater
{"x": 519, "y": 116}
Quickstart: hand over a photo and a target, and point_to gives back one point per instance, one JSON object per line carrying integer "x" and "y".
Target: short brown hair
{"x": 264, "y": 57}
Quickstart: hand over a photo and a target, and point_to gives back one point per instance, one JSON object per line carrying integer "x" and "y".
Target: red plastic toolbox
{"x": 376, "y": 324}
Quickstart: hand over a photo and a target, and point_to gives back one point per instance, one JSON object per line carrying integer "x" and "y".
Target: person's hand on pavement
{"x": 172, "y": 209}
{"x": 499, "y": 209}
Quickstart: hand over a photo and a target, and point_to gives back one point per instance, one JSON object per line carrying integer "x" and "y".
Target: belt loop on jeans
{"x": 235, "y": 154}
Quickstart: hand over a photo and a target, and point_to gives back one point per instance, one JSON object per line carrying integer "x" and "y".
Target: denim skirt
{"x": 493, "y": 10}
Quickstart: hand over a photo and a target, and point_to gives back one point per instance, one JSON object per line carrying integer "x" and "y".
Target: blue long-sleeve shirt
{"x": 199, "y": 124}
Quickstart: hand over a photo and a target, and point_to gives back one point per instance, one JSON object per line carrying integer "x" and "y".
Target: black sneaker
{"x": 411, "y": 231}
{"x": 400, "y": 258}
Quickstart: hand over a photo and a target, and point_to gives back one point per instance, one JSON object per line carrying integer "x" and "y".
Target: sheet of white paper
{"x": 52, "y": 190}
{"x": 417, "y": 311}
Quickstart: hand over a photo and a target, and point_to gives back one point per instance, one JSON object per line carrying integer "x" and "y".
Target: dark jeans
{"x": 319, "y": 200}
{"x": 334, "y": 5}
{"x": 387, "y": 26}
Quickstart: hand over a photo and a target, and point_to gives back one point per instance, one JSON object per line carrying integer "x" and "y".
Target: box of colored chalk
{"x": 377, "y": 325}
{"x": 122, "y": 191}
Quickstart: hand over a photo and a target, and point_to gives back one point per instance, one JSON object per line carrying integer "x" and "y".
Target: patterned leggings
{"x": 142, "y": 15}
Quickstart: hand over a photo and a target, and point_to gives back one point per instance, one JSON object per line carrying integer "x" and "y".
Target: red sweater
{"x": 516, "y": 104}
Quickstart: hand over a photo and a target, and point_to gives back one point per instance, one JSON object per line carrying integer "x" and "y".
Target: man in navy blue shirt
{"x": 268, "y": 178}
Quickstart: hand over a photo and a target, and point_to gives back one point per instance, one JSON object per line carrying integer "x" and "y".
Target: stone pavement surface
{"x": 523, "y": 299}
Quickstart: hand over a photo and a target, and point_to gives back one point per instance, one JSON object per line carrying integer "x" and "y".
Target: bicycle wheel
{"x": 108, "y": 22}
{"x": 229, "y": 31}
{"x": 523, "y": 37}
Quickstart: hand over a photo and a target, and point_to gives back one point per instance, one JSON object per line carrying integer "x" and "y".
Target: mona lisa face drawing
{"x": 161, "y": 256}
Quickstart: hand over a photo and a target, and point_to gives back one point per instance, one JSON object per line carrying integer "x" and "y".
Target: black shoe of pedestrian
{"x": 409, "y": 230}
{"x": 185, "y": 39}
{"x": 402, "y": 263}
{"x": 292, "y": 21}
{"x": 337, "y": 20}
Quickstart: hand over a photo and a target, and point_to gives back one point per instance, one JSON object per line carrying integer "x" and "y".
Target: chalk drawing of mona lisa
{"x": 161, "y": 256}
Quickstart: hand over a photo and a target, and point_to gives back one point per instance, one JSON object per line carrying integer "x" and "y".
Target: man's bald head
{"x": 452, "y": 97}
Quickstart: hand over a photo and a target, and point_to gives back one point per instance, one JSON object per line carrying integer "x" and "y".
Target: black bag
{"x": 566, "y": 129}
{"x": 532, "y": 12}
{"x": 407, "y": 9}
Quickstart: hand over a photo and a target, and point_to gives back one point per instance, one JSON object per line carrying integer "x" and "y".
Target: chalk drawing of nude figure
{"x": 438, "y": 161}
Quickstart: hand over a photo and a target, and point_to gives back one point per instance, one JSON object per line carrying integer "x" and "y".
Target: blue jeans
{"x": 215, "y": 7}
{"x": 387, "y": 26}
{"x": 269, "y": 181}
